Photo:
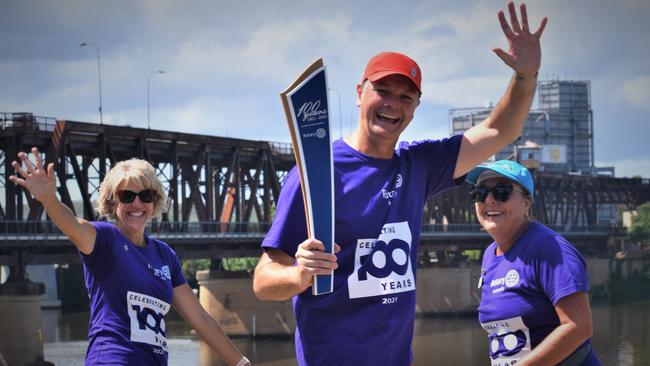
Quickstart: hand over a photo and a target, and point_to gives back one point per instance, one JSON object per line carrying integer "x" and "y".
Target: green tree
{"x": 640, "y": 230}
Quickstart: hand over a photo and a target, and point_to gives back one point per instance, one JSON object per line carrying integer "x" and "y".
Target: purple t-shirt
{"x": 130, "y": 290}
{"x": 368, "y": 319}
{"x": 521, "y": 288}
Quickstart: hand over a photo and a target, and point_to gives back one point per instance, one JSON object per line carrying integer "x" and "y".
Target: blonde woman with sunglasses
{"x": 534, "y": 284}
{"x": 132, "y": 279}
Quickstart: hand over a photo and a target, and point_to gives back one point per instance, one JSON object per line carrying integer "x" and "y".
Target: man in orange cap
{"x": 380, "y": 191}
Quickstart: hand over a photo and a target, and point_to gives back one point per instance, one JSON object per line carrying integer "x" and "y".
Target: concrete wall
{"x": 232, "y": 302}
{"x": 447, "y": 290}
{"x": 21, "y": 335}
{"x": 441, "y": 291}
{"x": 598, "y": 270}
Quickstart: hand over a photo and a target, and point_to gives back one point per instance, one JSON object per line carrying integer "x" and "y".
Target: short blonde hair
{"x": 137, "y": 170}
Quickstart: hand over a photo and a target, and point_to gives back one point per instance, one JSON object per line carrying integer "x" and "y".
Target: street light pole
{"x": 99, "y": 77}
{"x": 149, "y": 96}
{"x": 340, "y": 119}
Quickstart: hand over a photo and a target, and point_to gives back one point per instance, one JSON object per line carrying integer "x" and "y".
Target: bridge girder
{"x": 197, "y": 171}
{"x": 218, "y": 179}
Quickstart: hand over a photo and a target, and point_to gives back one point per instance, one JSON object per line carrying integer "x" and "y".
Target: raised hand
{"x": 41, "y": 183}
{"x": 524, "y": 52}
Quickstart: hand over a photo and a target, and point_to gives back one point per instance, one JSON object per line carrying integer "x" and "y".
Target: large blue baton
{"x": 306, "y": 108}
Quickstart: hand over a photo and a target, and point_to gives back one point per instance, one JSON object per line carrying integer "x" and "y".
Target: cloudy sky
{"x": 225, "y": 62}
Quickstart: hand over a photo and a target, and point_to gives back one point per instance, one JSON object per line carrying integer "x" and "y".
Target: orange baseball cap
{"x": 390, "y": 63}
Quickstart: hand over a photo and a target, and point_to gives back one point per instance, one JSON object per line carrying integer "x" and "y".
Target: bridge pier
{"x": 448, "y": 290}
{"x": 46, "y": 274}
{"x": 232, "y": 303}
{"x": 21, "y": 339}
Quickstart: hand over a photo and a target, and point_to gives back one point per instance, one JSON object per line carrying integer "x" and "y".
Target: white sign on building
{"x": 554, "y": 154}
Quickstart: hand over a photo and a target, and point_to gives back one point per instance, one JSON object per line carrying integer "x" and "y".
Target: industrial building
{"x": 557, "y": 137}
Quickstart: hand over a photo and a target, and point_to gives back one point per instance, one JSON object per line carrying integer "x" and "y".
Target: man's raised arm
{"x": 508, "y": 117}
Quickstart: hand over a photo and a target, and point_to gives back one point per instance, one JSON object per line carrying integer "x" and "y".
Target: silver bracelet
{"x": 243, "y": 362}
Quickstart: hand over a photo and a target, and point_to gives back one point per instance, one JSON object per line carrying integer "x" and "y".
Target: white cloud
{"x": 270, "y": 53}
{"x": 221, "y": 116}
{"x": 466, "y": 92}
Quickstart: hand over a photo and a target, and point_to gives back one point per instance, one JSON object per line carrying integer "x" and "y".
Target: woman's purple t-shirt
{"x": 519, "y": 291}
{"x": 130, "y": 290}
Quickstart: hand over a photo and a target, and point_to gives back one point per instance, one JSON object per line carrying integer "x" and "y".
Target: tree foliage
{"x": 640, "y": 230}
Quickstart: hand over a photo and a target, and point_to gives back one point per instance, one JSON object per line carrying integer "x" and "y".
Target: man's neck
{"x": 369, "y": 147}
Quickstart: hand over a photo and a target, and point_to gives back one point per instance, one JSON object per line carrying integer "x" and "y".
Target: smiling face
{"x": 131, "y": 218}
{"x": 386, "y": 108}
{"x": 503, "y": 220}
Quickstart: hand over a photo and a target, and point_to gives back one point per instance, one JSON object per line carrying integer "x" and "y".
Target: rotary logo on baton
{"x": 311, "y": 112}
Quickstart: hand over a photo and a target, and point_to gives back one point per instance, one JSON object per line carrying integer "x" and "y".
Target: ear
{"x": 527, "y": 203}
{"x": 359, "y": 93}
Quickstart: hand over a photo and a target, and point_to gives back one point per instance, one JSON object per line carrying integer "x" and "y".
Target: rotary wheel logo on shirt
{"x": 512, "y": 278}
{"x": 147, "y": 318}
{"x": 383, "y": 266}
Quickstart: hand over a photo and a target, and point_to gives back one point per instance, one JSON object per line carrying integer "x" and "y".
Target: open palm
{"x": 524, "y": 51}
{"x": 40, "y": 182}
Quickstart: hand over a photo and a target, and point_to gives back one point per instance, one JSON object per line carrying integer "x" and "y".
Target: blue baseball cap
{"x": 506, "y": 168}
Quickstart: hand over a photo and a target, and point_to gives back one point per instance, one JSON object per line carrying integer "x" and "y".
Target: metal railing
{"x": 281, "y": 148}
{"x": 26, "y": 121}
{"x": 46, "y": 230}
{"x": 450, "y": 228}
{"x": 476, "y": 228}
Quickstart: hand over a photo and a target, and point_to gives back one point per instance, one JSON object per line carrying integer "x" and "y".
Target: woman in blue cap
{"x": 534, "y": 284}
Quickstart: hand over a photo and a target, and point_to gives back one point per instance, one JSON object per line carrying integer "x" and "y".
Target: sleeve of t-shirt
{"x": 176, "y": 269}
{"x": 561, "y": 269}
{"x": 440, "y": 157}
{"x": 103, "y": 233}
{"x": 289, "y": 227}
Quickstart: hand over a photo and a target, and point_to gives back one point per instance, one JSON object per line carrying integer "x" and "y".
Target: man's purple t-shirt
{"x": 521, "y": 288}
{"x": 368, "y": 319}
{"x": 130, "y": 290}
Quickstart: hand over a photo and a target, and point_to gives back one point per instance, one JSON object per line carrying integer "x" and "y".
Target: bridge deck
{"x": 38, "y": 243}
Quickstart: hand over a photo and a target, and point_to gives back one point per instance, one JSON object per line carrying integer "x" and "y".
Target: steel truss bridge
{"x": 223, "y": 192}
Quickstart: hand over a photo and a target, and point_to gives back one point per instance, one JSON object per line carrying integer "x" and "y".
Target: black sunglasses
{"x": 146, "y": 196}
{"x": 501, "y": 192}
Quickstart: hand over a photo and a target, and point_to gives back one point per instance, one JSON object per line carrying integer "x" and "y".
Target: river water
{"x": 622, "y": 338}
